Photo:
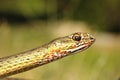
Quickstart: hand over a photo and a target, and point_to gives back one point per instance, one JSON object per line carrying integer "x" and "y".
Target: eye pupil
{"x": 77, "y": 38}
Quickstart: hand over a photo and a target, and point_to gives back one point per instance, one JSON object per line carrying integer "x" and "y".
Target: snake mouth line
{"x": 79, "y": 48}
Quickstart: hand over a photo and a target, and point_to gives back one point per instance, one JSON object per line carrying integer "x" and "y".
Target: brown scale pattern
{"x": 52, "y": 51}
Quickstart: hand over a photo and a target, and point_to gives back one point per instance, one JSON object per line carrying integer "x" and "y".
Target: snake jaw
{"x": 79, "y": 48}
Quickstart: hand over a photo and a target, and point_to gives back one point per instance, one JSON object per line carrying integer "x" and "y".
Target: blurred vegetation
{"x": 103, "y": 13}
{"x": 30, "y": 23}
{"x": 100, "y": 62}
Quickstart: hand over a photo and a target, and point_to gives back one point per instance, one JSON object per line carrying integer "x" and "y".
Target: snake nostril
{"x": 92, "y": 38}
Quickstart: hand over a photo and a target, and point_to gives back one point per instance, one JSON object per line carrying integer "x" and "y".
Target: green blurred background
{"x": 27, "y": 24}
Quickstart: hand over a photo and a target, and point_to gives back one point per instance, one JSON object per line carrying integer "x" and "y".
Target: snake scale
{"x": 55, "y": 49}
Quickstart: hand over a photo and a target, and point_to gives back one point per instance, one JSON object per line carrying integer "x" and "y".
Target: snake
{"x": 49, "y": 52}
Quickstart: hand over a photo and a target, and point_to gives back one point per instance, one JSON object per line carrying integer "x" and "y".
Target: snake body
{"x": 44, "y": 54}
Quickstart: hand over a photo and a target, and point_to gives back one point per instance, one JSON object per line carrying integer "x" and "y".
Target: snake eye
{"x": 76, "y": 37}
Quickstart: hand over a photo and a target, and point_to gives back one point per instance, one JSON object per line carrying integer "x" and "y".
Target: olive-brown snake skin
{"x": 44, "y": 54}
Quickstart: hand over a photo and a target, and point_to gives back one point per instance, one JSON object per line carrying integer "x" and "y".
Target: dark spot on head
{"x": 16, "y": 56}
{"x": 91, "y": 38}
{"x": 28, "y": 59}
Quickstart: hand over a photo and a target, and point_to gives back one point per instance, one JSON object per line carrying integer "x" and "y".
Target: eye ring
{"x": 76, "y": 37}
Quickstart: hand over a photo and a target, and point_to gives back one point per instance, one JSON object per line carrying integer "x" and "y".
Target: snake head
{"x": 80, "y": 41}
{"x": 72, "y": 43}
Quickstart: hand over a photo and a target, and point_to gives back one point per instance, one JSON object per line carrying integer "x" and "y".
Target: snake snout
{"x": 92, "y": 38}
